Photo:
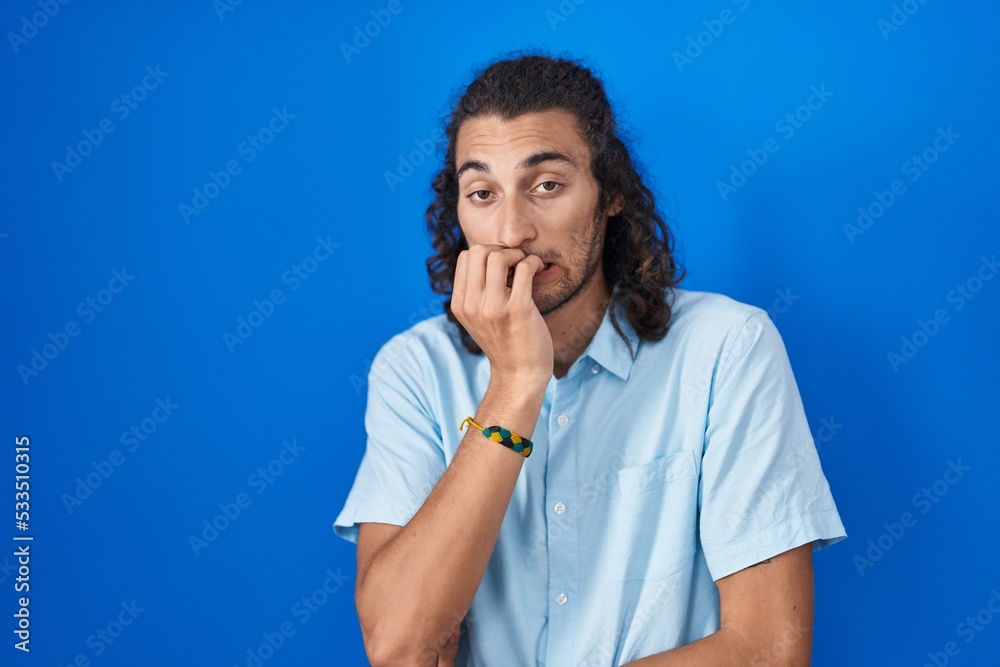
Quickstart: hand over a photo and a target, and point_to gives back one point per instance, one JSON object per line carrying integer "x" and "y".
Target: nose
{"x": 514, "y": 223}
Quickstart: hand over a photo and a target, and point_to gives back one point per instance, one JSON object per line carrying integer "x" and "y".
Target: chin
{"x": 549, "y": 303}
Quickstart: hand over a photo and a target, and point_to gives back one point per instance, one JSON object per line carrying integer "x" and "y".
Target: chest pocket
{"x": 652, "y": 513}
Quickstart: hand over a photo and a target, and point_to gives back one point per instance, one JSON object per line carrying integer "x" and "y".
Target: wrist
{"x": 511, "y": 405}
{"x": 519, "y": 382}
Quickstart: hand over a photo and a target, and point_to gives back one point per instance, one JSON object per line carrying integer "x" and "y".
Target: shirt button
{"x": 562, "y": 420}
{"x": 561, "y": 598}
{"x": 558, "y": 508}
{"x": 595, "y": 369}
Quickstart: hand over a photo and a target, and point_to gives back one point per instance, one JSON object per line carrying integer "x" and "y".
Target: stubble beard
{"x": 567, "y": 290}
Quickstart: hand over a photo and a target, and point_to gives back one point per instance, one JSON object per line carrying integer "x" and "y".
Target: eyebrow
{"x": 527, "y": 163}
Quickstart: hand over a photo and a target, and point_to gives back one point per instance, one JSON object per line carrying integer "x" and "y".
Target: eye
{"x": 554, "y": 185}
{"x": 474, "y": 196}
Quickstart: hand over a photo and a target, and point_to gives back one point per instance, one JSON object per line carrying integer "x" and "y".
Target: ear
{"x": 616, "y": 205}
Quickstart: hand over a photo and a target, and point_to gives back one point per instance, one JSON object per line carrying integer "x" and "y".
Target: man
{"x": 673, "y": 495}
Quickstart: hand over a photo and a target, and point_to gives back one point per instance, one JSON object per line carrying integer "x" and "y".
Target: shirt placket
{"x": 561, "y": 524}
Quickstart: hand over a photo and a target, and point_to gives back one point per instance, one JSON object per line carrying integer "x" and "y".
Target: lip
{"x": 546, "y": 274}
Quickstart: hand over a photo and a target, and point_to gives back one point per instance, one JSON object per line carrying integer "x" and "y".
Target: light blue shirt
{"x": 653, "y": 475}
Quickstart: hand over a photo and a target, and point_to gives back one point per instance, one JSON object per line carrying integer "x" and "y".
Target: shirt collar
{"x": 609, "y": 349}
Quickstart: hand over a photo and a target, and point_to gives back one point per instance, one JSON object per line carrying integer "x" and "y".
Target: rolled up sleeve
{"x": 762, "y": 489}
{"x": 403, "y": 457}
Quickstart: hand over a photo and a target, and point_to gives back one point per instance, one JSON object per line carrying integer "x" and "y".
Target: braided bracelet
{"x": 505, "y": 437}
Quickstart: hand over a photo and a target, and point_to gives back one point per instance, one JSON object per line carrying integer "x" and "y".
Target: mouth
{"x": 545, "y": 274}
{"x": 540, "y": 276}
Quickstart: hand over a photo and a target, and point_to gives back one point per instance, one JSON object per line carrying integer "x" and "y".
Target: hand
{"x": 503, "y": 320}
{"x": 450, "y": 651}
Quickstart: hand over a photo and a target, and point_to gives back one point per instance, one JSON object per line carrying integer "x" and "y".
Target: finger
{"x": 458, "y": 283}
{"x": 475, "y": 281}
{"x": 524, "y": 276}
{"x": 498, "y": 266}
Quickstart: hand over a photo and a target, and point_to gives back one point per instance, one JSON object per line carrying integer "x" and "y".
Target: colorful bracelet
{"x": 505, "y": 437}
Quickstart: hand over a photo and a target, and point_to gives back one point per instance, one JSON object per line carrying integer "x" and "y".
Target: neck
{"x": 573, "y": 326}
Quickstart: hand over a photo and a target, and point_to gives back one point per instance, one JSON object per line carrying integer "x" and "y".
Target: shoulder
{"x": 420, "y": 353}
{"x": 708, "y": 330}
{"x": 732, "y": 336}
{"x": 433, "y": 337}
{"x": 703, "y": 316}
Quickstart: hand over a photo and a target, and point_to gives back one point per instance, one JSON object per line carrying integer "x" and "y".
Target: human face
{"x": 526, "y": 183}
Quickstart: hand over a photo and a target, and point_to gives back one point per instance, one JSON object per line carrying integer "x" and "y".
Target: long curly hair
{"x": 638, "y": 254}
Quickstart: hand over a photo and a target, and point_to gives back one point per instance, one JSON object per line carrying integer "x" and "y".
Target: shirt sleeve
{"x": 403, "y": 457}
{"x": 762, "y": 489}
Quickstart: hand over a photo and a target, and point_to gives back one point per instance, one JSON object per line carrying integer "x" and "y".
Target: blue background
{"x": 849, "y": 298}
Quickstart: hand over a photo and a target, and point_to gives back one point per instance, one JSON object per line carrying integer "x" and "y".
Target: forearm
{"x": 724, "y": 648}
{"x": 730, "y": 648}
{"x": 420, "y": 585}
